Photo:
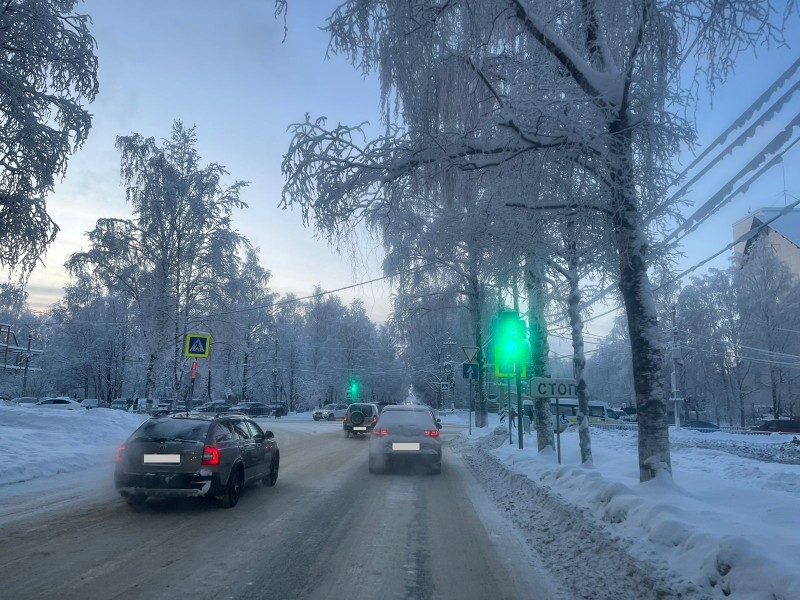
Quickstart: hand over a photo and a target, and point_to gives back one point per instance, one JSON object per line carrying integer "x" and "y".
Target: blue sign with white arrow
{"x": 469, "y": 370}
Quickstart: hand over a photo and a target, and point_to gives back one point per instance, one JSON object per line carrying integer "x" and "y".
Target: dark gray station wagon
{"x": 197, "y": 455}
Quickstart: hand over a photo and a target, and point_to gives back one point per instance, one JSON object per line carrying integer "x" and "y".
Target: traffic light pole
{"x": 518, "y": 377}
{"x": 508, "y": 411}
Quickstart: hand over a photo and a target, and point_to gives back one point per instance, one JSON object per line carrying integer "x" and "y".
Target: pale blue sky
{"x": 224, "y": 68}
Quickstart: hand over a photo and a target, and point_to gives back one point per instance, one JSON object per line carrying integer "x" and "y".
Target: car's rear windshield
{"x": 172, "y": 429}
{"x": 410, "y": 417}
{"x": 366, "y": 409}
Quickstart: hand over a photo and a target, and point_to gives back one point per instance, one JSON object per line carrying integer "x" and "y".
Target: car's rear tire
{"x": 376, "y": 465}
{"x": 233, "y": 491}
{"x": 272, "y": 478}
{"x": 135, "y": 499}
{"x": 436, "y": 468}
{"x": 347, "y": 433}
{"x": 331, "y": 417}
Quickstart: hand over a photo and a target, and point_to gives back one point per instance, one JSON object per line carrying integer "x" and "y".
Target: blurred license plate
{"x": 359, "y": 428}
{"x": 405, "y": 446}
{"x": 162, "y": 459}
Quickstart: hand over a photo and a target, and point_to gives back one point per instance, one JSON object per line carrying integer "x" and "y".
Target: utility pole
{"x": 275, "y": 374}
{"x": 27, "y": 360}
{"x": 676, "y": 356}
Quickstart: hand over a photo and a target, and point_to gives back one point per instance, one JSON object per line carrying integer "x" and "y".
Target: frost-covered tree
{"x": 49, "y": 70}
{"x": 712, "y": 330}
{"x": 242, "y": 321}
{"x": 90, "y": 341}
{"x": 173, "y": 258}
{"x": 770, "y": 296}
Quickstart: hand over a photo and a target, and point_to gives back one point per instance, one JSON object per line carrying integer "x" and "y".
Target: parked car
{"x": 213, "y": 456}
{"x": 25, "y": 400}
{"x": 161, "y": 409}
{"x": 214, "y": 407}
{"x": 90, "y": 403}
{"x": 330, "y": 412}
{"x": 254, "y": 409}
{"x": 61, "y": 402}
{"x": 119, "y": 404}
{"x": 405, "y": 433}
{"x": 700, "y": 426}
{"x": 360, "y": 418}
{"x": 791, "y": 425}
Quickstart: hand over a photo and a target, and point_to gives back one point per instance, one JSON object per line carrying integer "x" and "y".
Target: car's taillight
{"x": 383, "y": 431}
{"x": 432, "y": 433}
{"x": 374, "y": 420}
{"x": 210, "y": 456}
{"x": 345, "y": 419}
{"x": 121, "y": 453}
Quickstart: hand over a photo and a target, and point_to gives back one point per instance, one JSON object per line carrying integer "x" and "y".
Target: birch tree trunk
{"x": 534, "y": 284}
{"x": 637, "y": 295}
{"x": 475, "y": 311}
{"x": 578, "y": 356}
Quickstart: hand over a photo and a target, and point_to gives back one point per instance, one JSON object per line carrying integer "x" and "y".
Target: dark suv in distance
{"x": 195, "y": 456}
{"x": 360, "y": 418}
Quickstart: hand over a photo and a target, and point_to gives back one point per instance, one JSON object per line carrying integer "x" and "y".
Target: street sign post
{"x": 544, "y": 387}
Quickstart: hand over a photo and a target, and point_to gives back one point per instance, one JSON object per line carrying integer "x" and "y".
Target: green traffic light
{"x": 511, "y": 348}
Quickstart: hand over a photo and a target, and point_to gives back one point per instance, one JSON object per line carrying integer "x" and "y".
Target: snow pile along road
{"x": 724, "y": 528}
{"x": 41, "y": 442}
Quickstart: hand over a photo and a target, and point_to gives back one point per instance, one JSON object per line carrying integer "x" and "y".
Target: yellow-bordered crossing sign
{"x": 197, "y": 345}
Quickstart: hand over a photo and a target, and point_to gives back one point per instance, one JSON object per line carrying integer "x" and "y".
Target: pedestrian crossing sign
{"x": 197, "y": 345}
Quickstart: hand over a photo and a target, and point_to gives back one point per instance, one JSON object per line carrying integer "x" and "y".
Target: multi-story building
{"x": 783, "y": 234}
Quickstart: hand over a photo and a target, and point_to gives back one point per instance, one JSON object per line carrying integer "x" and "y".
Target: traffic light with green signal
{"x": 353, "y": 389}
{"x": 510, "y": 345}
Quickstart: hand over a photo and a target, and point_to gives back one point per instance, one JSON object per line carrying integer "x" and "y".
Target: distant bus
{"x": 599, "y": 412}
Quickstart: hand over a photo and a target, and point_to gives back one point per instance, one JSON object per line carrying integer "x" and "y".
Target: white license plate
{"x": 162, "y": 459}
{"x": 359, "y": 428}
{"x": 405, "y": 446}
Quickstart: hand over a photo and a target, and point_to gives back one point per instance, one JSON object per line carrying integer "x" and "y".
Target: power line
{"x": 234, "y": 311}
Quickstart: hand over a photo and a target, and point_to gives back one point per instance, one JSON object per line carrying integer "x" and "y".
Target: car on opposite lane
{"x": 360, "y": 418}
{"x": 407, "y": 433}
{"x": 213, "y": 456}
{"x": 330, "y": 412}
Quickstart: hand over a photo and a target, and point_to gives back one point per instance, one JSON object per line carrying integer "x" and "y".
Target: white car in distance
{"x": 61, "y": 402}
